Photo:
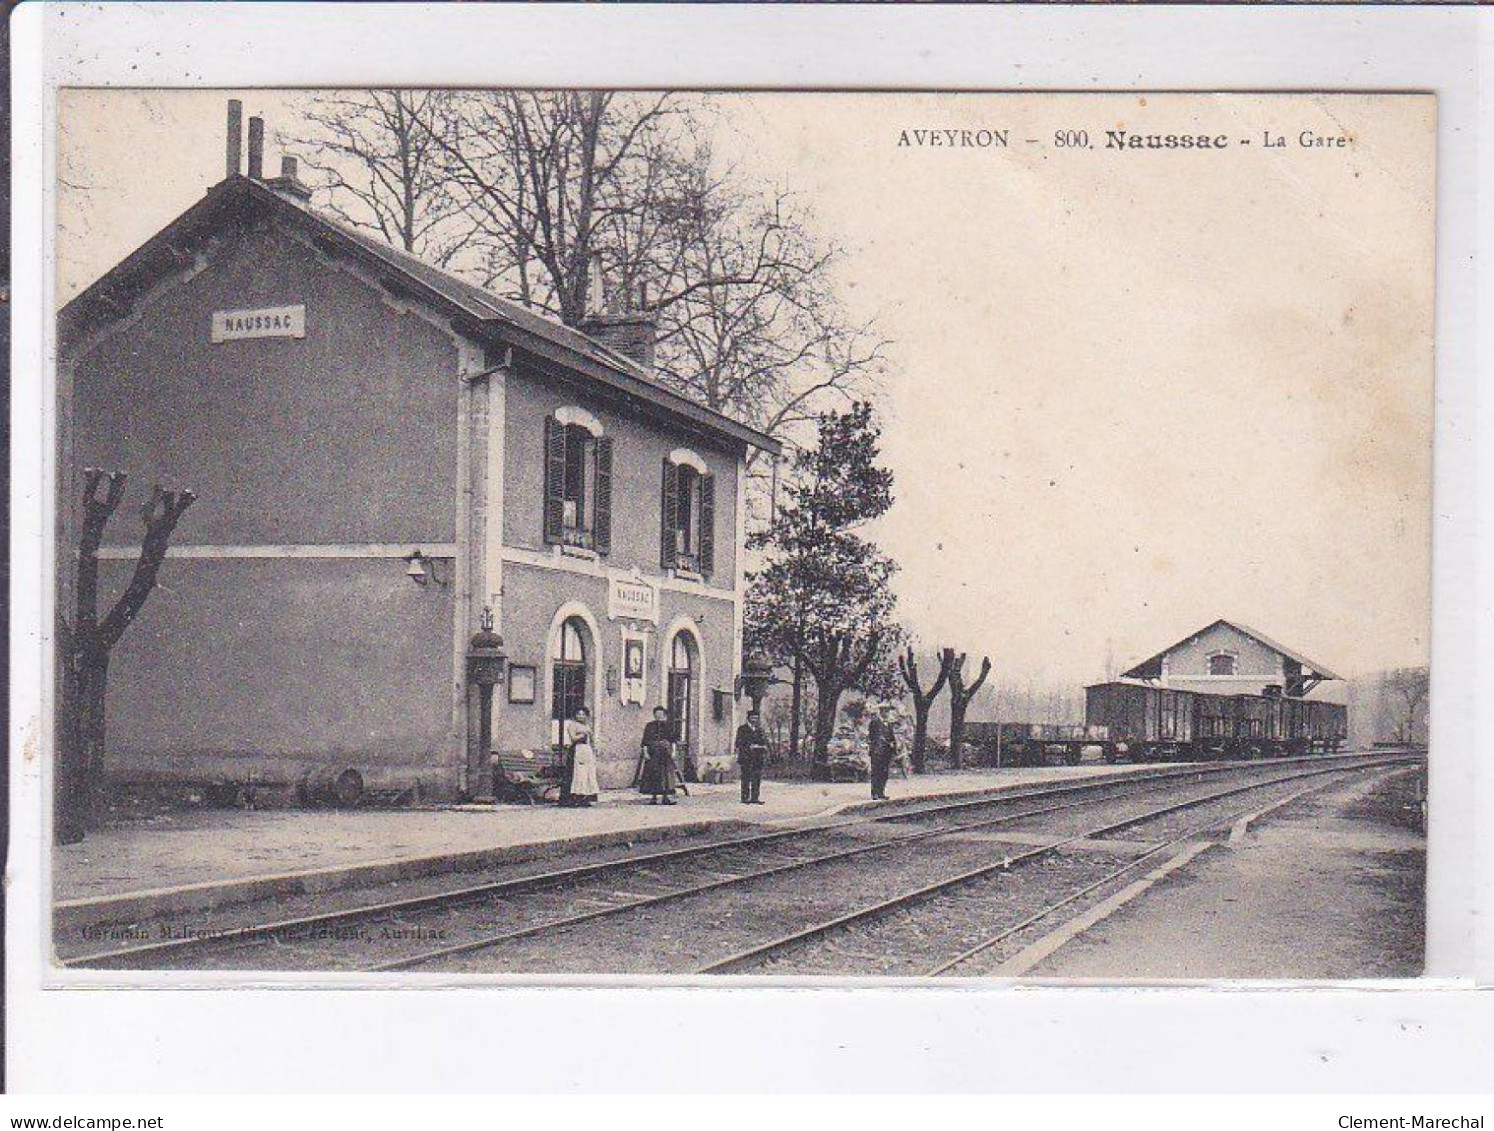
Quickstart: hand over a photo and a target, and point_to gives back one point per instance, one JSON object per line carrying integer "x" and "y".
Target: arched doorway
{"x": 568, "y": 676}
{"x": 683, "y": 685}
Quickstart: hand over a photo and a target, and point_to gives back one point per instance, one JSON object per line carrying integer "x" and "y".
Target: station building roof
{"x": 1151, "y": 668}
{"x": 476, "y": 313}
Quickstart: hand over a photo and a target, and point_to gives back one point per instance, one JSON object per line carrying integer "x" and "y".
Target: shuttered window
{"x": 669, "y": 509}
{"x": 706, "y": 552}
{"x": 555, "y": 454}
{"x": 601, "y": 529}
{"x": 688, "y": 531}
{"x": 578, "y": 487}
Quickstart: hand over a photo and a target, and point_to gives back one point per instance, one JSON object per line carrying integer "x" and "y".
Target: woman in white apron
{"x": 581, "y": 782}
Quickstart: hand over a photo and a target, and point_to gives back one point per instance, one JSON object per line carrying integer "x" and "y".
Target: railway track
{"x": 873, "y": 932}
{"x": 179, "y": 940}
{"x": 475, "y": 926}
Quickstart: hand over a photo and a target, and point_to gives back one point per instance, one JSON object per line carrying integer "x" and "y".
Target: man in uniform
{"x": 752, "y": 753}
{"x": 883, "y": 752}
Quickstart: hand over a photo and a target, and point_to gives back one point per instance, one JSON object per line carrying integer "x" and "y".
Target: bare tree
{"x": 524, "y": 191}
{"x": 749, "y": 320}
{"x": 1408, "y": 689}
{"x": 86, "y": 644}
{"x": 1055, "y": 706}
{"x": 552, "y": 179}
{"x": 923, "y": 699}
{"x": 380, "y": 169}
{"x": 960, "y": 695}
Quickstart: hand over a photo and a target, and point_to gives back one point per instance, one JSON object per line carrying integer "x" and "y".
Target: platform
{"x": 195, "y": 860}
{"x": 1329, "y": 887}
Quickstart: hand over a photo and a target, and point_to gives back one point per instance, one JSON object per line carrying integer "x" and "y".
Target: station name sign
{"x": 632, "y": 598}
{"x": 266, "y": 322}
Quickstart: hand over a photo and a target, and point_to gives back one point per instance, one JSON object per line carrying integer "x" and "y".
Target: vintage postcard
{"x": 575, "y": 533}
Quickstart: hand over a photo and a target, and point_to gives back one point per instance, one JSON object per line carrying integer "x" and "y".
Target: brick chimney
{"x": 256, "y": 148}
{"x": 288, "y": 182}
{"x": 629, "y": 332}
{"x": 631, "y": 335}
{"x": 235, "y": 153}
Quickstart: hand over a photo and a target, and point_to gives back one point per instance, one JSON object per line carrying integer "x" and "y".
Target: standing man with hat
{"x": 883, "y": 743}
{"x": 752, "y": 754}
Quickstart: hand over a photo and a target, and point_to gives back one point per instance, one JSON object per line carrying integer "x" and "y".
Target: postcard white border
{"x": 1020, "y": 1037}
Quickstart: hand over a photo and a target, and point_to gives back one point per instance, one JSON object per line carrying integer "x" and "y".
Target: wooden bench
{"x": 526, "y": 776}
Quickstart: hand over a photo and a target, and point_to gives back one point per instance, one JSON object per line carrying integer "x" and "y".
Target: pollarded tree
{"x": 923, "y": 699}
{"x": 87, "y": 641}
{"x": 960, "y": 695}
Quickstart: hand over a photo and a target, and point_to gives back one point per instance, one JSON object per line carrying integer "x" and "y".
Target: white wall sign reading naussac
{"x": 266, "y": 322}
{"x": 633, "y": 598}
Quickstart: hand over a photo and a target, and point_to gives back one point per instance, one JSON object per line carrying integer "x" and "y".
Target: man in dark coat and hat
{"x": 752, "y": 755}
{"x": 883, "y": 743}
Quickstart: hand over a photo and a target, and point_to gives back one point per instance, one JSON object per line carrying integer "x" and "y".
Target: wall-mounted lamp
{"x": 421, "y": 569}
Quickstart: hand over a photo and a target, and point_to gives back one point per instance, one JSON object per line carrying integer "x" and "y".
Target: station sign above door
{"x": 630, "y": 597}
{"x": 265, "y": 322}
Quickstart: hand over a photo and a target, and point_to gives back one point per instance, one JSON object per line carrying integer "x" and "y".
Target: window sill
{"x": 585, "y": 553}
{"x": 680, "y": 574}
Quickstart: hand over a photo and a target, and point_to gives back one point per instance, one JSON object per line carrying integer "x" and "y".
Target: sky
{"x": 1128, "y": 392}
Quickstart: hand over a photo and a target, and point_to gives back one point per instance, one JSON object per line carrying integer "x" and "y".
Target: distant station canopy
{"x": 1227, "y": 652}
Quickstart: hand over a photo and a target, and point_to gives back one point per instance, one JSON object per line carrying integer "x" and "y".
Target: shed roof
{"x": 477, "y": 313}
{"x": 1152, "y": 663}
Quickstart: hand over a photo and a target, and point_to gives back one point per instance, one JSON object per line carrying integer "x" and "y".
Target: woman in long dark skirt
{"x": 658, "y": 776}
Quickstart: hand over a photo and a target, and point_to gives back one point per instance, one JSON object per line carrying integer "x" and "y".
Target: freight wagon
{"x": 1031, "y": 744}
{"x": 1145, "y": 724}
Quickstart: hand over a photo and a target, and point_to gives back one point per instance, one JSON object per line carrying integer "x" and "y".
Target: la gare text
{"x": 1305, "y": 139}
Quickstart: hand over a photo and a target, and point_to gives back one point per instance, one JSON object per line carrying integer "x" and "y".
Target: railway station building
{"x": 383, "y": 454}
{"x": 1227, "y": 658}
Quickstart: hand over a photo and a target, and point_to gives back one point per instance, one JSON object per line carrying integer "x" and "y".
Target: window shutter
{"x": 670, "y": 516}
{"x": 707, "y": 532}
{"x": 602, "y": 521}
{"x": 554, "y": 479}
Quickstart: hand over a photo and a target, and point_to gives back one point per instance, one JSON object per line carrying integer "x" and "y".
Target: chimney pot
{"x": 256, "y": 148}
{"x": 596, "y": 286}
{"x": 235, "y": 153}
{"x": 288, "y": 167}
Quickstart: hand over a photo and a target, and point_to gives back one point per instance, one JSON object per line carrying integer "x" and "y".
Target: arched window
{"x": 570, "y": 673}
{"x": 572, "y": 641}
{"x": 1222, "y": 663}
{"x": 682, "y": 687}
